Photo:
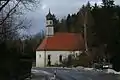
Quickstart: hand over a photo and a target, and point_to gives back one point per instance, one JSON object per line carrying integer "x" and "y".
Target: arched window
{"x": 50, "y": 22}
{"x": 49, "y": 57}
{"x": 49, "y": 60}
{"x": 60, "y": 58}
{"x": 39, "y": 56}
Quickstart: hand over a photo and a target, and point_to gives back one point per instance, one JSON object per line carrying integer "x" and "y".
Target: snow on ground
{"x": 40, "y": 71}
{"x": 111, "y": 71}
{"x": 84, "y": 68}
{"x": 77, "y": 68}
{"x": 34, "y": 71}
{"x": 98, "y": 70}
{"x": 88, "y": 69}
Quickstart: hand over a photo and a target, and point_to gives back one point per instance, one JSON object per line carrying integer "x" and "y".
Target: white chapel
{"x": 55, "y": 47}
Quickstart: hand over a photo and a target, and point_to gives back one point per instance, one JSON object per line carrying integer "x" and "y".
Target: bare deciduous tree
{"x": 16, "y": 3}
{"x": 10, "y": 13}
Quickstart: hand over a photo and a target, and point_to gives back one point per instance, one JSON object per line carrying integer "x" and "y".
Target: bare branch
{"x": 4, "y": 5}
{"x": 9, "y": 12}
{"x": 27, "y": 3}
{"x": 19, "y": 26}
{"x": 9, "y": 26}
{"x": 26, "y": 7}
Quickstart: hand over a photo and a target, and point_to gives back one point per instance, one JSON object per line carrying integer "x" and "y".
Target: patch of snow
{"x": 89, "y": 69}
{"x": 106, "y": 66}
{"x": 34, "y": 71}
{"x": 99, "y": 70}
{"x": 59, "y": 67}
{"x": 40, "y": 71}
{"x": 112, "y": 71}
{"x": 79, "y": 67}
{"x": 85, "y": 69}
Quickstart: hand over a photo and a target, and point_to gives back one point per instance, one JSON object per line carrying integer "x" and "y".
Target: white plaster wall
{"x": 54, "y": 56}
{"x": 40, "y": 58}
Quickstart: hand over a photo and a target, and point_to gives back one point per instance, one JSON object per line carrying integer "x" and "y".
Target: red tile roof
{"x": 62, "y": 42}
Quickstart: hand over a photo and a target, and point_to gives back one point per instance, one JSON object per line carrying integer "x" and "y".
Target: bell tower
{"x": 49, "y": 25}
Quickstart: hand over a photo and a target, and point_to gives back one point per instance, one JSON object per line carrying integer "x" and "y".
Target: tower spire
{"x": 49, "y": 24}
{"x": 49, "y": 10}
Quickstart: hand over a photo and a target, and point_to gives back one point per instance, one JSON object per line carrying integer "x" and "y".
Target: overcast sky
{"x": 59, "y": 7}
